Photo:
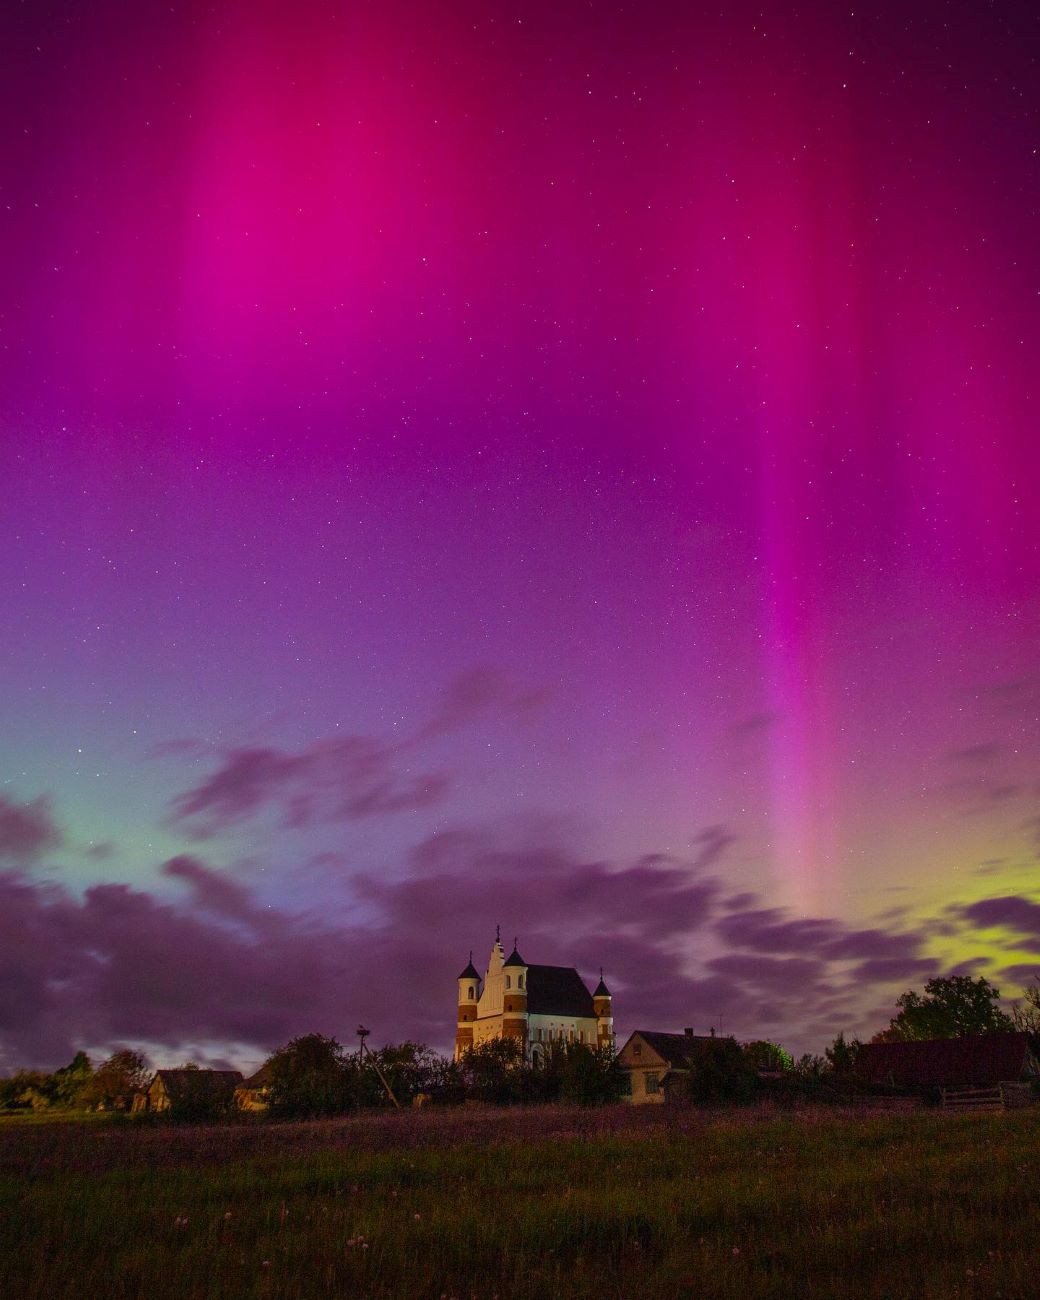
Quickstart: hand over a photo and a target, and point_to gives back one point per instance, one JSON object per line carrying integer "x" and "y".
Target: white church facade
{"x": 535, "y": 1004}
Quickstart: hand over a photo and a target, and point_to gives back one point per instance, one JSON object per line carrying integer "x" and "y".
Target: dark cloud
{"x": 342, "y": 779}
{"x": 884, "y": 970}
{"x": 27, "y": 830}
{"x": 976, "y": 754}
{"x": 757, "y": 724}
{"x": 776, "y": 974}
{"x": 1011, "y": 912}
{"x": 123, "y": 964}
{"x": 213, "y": 890}
{"x": 1022, "y": 974}
{"x": 210, "y": 967}
{"x": 480, "y": 690}
{"x": 771, "y": 930}
{"x": 710, "y": 844}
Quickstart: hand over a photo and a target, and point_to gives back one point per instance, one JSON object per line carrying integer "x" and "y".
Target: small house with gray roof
{"x": 658, "y": 1065}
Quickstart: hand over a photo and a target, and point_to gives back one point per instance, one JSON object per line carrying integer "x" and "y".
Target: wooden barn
{"x": 974, "y": 1061}
{"x": 193, "y": 1092}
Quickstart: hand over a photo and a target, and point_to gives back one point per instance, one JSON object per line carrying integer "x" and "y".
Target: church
{"x": 536, "y": 1004}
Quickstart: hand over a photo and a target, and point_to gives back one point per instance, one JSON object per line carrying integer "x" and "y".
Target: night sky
{"x": 571, "y": 466}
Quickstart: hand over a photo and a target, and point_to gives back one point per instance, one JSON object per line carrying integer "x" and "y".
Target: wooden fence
{"x": 1004, "y": 1096}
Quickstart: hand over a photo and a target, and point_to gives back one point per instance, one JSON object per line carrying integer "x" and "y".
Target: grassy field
{"x": 537, "y": 1203}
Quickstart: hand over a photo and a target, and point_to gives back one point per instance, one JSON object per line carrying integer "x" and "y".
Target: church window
{"x": 508, "y": 983}
{"x": 519, "y": 981}
{"x": 471, "y": 993}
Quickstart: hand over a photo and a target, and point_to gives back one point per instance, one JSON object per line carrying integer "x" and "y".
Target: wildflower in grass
{"x": 417, "y": 1217}
{"x": 181, "y": 1221}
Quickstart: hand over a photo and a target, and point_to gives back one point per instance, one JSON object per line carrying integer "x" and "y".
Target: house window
{"x": 651, "y": 1082}
{"x": 637, "y": 1049}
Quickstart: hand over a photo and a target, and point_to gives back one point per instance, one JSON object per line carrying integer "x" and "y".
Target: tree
{"x": 115, "y": 1081}
{"x": 951, "y": 1007}
{"x": 766, "y": 1057}
{"x": 1025, "y": 1015}
{"x": 71, "y": 1080}
{"x": 719, "y": 1071}
{"x": 588, "y": 1076}
{"x": 310, "y": 1076}
{"x": 841, "y": 1055}
{"x": 493, "y": 1070}
{"x": 410, "y": 1069}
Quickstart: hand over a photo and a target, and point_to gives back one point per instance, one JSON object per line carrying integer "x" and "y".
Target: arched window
{"x": 472, "y": 993}
{"x": 508, "y": 983}
{"x": 519, "y": 981}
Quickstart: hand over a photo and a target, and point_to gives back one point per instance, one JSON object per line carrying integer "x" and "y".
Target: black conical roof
{"x": 601, "y": 989}
{"x": 514, "y": 958}
{"x": 469, "y": 973}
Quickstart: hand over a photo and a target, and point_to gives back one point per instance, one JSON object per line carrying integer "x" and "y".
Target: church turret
{"x": 469, "y": 992}
{"x": 602, "y": 1004}
{"x": 514, "y": 996}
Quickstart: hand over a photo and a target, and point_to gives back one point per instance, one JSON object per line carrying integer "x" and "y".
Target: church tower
{"x": 469, "y": 991}
{"x": 602, "y": 1004}
{"x": 514, "y": 997}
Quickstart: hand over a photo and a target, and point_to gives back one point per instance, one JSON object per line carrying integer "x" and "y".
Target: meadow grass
{"x": 542, "y": 1202}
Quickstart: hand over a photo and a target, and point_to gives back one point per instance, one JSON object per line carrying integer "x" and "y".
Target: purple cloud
{"x": 213, "y": 890}
{"x": 342, "y": 779}
{"x": 1011, "y": 912}
{"x": 27, "y": 830}
{"x": 127, "y": 965}
{"x": 480, "y": 690}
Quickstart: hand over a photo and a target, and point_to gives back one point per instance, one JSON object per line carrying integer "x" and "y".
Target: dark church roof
{"x": 557, "y": 991}
{"x": 469, "y": 973}
{"x": 976, "y": 1060}
{"x": 601, "y": 990}
{"x": 514, "y": 959}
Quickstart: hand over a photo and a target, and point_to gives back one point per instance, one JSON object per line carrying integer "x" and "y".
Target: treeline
{"x": 78, "y": 1085}
{"x": 314, "y": 1075}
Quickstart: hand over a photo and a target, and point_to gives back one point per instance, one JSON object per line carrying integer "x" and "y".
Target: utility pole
{"x": 362, "y": 1034}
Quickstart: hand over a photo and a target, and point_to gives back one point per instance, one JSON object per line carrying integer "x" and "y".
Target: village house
{"x": 255, "y": 1093}
{"x": 973, "y": 1061}
{"x": 190, "y": 1092}
{"x": 536, "y": 1005}
{"x": 658, "y": 1065}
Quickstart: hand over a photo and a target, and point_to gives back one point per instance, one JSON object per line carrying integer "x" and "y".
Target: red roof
{"x": 976, "y": 1060}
